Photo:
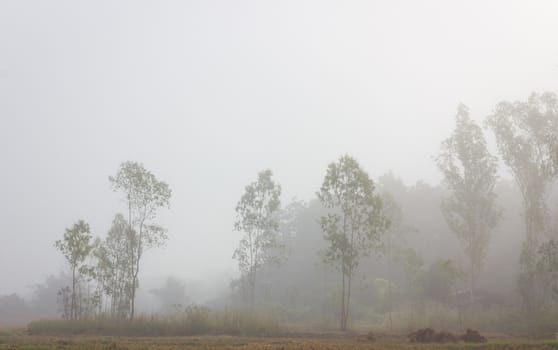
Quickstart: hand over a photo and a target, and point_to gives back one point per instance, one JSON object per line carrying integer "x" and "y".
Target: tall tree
{"x": 144, "y": 196}
{"x": 523, "y": 131}
{"x": 257, "y": 217}
{"x": 75, "y": 246}
{"x": 354, "y": 223}
{"x": 470, "y": 175}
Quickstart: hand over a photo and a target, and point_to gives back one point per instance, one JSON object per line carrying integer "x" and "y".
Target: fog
{"x": 208, "y": 93}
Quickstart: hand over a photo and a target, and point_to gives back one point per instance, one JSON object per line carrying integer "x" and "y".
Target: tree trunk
{"x": 389, "y": 282}
{"x": 253, "y": 278}
{"x": 132, "y": 262}
{"x": 347, "y": 303}
{"x": 343, "y": 300}
{"x": 472, "y": 286}
{"x": 133, "y": 301}
{"x": 73, "y": 312}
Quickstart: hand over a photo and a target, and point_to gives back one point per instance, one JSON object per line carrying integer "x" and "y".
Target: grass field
{"x": 18, "y": 339}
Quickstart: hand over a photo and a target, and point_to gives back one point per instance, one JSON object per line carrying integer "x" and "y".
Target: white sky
{"x": 208, "y": 93}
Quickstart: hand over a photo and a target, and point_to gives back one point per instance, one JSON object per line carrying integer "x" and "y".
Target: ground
{"x": 19, "y": 340}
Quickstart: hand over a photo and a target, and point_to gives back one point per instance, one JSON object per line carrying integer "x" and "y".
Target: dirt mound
{"x": 428, "y": 335}
{"x": 472, "y": 336}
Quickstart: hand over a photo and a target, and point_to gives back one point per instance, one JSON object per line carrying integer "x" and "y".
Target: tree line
{"x": 356, "y": 219}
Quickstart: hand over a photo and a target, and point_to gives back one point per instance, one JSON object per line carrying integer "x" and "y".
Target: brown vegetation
{"x": 428, "y": 335}
{"x": 21, "y": 341}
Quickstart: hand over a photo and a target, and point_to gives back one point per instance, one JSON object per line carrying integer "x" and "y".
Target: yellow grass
{"x": 19, "y": 341}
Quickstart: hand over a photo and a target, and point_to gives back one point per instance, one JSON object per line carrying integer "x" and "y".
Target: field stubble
{"x": 19, "y": 340}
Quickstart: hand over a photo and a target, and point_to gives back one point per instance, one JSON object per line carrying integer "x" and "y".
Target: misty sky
{"x": 208, "y": 93}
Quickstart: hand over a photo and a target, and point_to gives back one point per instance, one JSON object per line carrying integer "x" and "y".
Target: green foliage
{"x": 144, "y": 195}
{"x": 76, "y": 246}
{"x": 354, "y": 225}
{"x": 113, "y": 271}
{"x": 355, "y": 221}
{"x": 257, "y": 218}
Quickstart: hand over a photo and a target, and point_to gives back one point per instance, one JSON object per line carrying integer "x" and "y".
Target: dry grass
{"x": 18, "y": 341}
{"x": 193, "y": 321}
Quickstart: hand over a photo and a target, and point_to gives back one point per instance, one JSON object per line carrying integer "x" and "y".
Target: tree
{"x": 524, "y": 131}
{"x": 257, "y": 217}
{"x": 144, "y": 195}
{"x": 75, "y": 246}
{"x": 113, "y": 268}
{"x": 354, "y": 223}
{"x": 470, "y": 175}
